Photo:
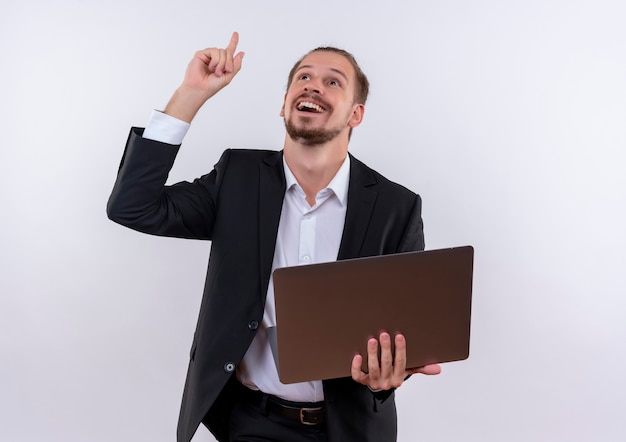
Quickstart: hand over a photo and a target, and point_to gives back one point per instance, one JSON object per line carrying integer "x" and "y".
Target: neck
{"x": 315, "y": 166}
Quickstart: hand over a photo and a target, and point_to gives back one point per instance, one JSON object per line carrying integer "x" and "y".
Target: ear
{"x": 282, "y": 109}
{"x": 357, "y": 115}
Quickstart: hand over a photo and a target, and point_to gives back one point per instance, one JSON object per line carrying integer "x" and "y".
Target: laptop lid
{"x": 325, "y": 313}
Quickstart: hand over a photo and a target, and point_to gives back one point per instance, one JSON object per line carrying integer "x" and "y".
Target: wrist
{"x": 185, "y": 104}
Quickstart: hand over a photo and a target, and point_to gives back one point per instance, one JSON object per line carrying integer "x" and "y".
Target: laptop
{"x": 325, "y": 313}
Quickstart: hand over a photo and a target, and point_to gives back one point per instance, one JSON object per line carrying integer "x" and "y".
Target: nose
{"x": 313, "y": 86}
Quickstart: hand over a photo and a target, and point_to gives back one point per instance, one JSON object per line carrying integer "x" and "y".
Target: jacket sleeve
{"x": 141, "y": 201}
{"x": 413, "y": 236}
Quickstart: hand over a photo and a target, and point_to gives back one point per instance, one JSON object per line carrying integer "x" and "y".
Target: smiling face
{"x": 320, "y": 102}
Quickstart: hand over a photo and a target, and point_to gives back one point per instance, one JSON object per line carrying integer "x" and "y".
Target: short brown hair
{"x": 362, "y": 86}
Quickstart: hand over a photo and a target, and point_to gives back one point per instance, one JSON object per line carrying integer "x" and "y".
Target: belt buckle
{"x": 303, "y": 421}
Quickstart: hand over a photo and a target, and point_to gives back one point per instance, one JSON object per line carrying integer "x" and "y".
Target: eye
{"x": 305, "y": 77}
{"x": 334, "y": 83}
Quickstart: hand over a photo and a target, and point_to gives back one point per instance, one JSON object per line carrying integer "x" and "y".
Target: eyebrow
{"x": 308, "y": 66}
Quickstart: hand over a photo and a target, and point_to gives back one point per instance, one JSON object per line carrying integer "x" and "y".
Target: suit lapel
{"x": 361, "y": 201}
{"x": 271, "y": 195}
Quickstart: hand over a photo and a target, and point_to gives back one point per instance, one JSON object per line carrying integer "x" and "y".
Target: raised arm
{"x": 208, "y": 72}
{"x": 140, "y": 199}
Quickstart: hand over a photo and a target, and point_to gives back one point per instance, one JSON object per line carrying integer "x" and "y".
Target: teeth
{"x": 308, "y": 105}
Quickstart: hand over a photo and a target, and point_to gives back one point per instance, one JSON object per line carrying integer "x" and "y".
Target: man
{"x": 310, "y": 202}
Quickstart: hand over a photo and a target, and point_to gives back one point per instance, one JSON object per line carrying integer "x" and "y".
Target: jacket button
{"x": 253, "y": 325}
{"x": 229, "y": 367}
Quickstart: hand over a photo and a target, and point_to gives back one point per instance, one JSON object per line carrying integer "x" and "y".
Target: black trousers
{"x": 258, "y": 417}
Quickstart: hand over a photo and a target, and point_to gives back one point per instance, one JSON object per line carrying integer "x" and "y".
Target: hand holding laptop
{"x": 386, "y": 373}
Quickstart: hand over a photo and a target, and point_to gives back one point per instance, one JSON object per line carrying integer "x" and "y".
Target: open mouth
{"x": 307, "y": 106}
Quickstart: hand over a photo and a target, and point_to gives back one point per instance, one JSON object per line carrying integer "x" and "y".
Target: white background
{"x": 508, "y": 117}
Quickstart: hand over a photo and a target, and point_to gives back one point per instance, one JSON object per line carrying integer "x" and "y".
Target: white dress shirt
{"x": 306, "y": 235}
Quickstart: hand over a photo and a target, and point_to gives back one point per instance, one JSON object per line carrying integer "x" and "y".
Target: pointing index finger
{"x": 232, "y": 44}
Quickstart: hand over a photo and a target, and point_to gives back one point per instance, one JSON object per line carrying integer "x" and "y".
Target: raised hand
{"x": 207, "y": 73}
{"x": 387, "y": 372}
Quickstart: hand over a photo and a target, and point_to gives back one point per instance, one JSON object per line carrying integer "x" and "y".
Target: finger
{"x": 228, "y": 62}
{"x": 399, "y": 363}
{"x": 355, "y": 370}
{"x": 372, "y": 359}
{"x": 206, "y": 56}
{"x": 232, "y": 44}
{"x": 386, "y": 356}
{"x": 430, "y": 370}
{"x": 220, "y": 68}
{"x": 215, "y": 60}
{"x": 237, "y": 62}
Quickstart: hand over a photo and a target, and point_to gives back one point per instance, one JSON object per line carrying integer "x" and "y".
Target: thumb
{"x": 237, "y": 62}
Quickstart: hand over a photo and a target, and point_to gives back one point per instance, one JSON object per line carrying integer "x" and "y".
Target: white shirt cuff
{"x": 165, "y": 128}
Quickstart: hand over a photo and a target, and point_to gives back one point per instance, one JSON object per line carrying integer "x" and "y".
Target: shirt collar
{"x": 339, "y": 183}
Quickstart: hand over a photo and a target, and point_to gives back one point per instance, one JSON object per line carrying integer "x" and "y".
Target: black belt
{"x": 306, "y": 413}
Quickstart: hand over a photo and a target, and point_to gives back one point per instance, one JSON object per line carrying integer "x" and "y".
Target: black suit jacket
{"x": 237, "y": 206}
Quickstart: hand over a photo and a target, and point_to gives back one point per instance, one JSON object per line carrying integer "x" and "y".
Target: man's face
{"x": 319, "y": 104}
